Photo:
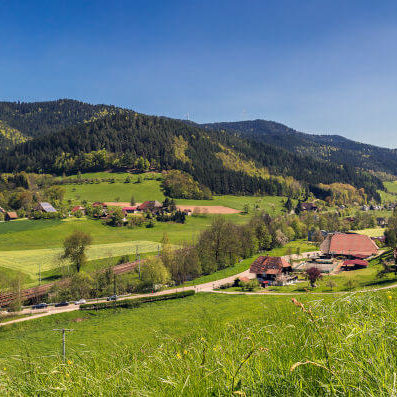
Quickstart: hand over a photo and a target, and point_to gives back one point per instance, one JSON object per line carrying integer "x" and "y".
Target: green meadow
{"x": 28, "y": 261}
{"x": 210, "y": 344}
{"x": 149, "y": 189}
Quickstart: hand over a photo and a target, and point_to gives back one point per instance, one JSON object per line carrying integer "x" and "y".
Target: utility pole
{"x": 63, "y": 341}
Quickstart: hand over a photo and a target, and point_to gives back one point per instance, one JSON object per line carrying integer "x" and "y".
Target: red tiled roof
{"x": 129, "y": 208}
{"x": 356, "y": 262}
{"x": 12, "y": 215}
{"x": 77, "y": 208}
{"x": 269, "y": 265}
{"x": 349, "y": 244}
{"x": 245, "y": 279}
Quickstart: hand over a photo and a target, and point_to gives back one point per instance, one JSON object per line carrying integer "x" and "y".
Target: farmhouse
{"x": 152, "y": 206}
{"x": 349, "y": 245}
{"x": 272, "y": 270}
{"x": 10, "y": 216}
{"x": 45, "y": 207}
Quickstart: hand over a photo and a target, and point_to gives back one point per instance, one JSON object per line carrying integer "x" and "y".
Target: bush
{"x": 131, "y": 303}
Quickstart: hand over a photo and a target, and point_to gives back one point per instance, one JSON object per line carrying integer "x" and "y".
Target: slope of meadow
{"x": 210, "y": 345}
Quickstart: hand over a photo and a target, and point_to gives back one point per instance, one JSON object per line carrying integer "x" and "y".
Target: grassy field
{"x": 150, "y": 189}
{"x": 391, "y": 186}
{"x": 37, "y": 234}
{"x": 374, "y": 232}
{"x": 27, "y": 261}
{"x": 210, "y": 345}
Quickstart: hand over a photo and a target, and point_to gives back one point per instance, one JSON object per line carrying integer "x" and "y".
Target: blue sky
{"x": 317, "y": 66}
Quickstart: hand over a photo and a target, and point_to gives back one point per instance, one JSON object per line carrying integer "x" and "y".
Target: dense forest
{"x": 103, "y": 137}
{"x": 21, "y": 121}
{"x": 333, "y": 148}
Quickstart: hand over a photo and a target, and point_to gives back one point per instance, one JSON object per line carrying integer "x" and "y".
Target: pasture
{"x": 210, "y": 344}
{"x": 149, "y": 189}
{"x": 28, "y": 261}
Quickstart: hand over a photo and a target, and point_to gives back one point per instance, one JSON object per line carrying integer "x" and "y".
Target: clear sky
{"x": 317, "y": 66}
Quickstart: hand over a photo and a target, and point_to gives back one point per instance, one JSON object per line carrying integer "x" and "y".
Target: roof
{"x": 77, "y": 208}
{"x": 47, "y": 207}
{"x": 2, "y": 210}
{"x": 269, "y": 265}
{"x": 150, "y": 204}
{"x": 349, "y": 244}
{"x": 355, "y": 262}
{"x": 12, "y": 215}
{"x": 244, "y": 279}
{"x": 129, "y": 208}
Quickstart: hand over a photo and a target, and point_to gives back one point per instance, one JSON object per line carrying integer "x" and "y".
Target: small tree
{"x": 154, "y": 273}
{"x": 313, "y": 274}
{"x": 331, "y": 284}
{"x": 75, "y": 248}
{"x": 132, "y": 201}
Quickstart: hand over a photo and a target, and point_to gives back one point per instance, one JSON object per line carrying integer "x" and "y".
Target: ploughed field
{"x": 210, "y": 344}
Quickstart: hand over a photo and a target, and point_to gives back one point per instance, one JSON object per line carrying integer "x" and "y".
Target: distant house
{"x": 45, "y": 207}
{"x": 98, "y": 204}
{"x": 308, "y": 207}
{"x": 78, "y": 208}
{"x": 152, "y": 206}
{"x": 130, "y": 210}
{"x": 268, "y": 269}
{"x": 10, "y": 216}
{"x": 2, "y": 210}
{"x": 349, "y": 245}
{"x": 382, "y": 222}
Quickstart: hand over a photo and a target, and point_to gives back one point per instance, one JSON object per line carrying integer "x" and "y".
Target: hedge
{"x": 131, "y": 303}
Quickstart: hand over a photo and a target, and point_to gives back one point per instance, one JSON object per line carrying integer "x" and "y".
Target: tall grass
{"x": 344, "y": 346}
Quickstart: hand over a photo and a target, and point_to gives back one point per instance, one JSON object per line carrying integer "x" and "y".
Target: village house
{"x": 130, "y": 210}
{"x": 354, "y": 264}
{"x": 308, "y": 207}
{"x": 45, "y": 207}
{"x": 382, "y": 222}
{"x": 78, "y": 208}
{"x": 10, "y": 216}
{"x": 272, "y": 271}
{"x": 355, "y": 246}
{"x": 152, "y": 206}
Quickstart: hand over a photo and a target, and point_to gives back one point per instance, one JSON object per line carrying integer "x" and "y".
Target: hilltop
{"x": 332, "y": 148}
{"x": 68, "y": 136}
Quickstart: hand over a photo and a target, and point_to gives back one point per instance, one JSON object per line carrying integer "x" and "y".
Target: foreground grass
{"x": 210, "y": 345}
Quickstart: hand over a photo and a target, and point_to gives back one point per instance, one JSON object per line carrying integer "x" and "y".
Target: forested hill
{"x": 224, "y": 162}
{"x": 22, "y": 121}
{"x": 333, "y": 148}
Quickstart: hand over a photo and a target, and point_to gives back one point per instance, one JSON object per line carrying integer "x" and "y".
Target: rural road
{"x": 205, "y": 287}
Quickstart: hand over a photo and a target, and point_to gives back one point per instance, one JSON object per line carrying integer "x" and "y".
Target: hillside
{"x": 22, "y": 121}
{"x": 332, "y": 148}
{"x": 210, "y": 345}
{"x": 225, "y": 163}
